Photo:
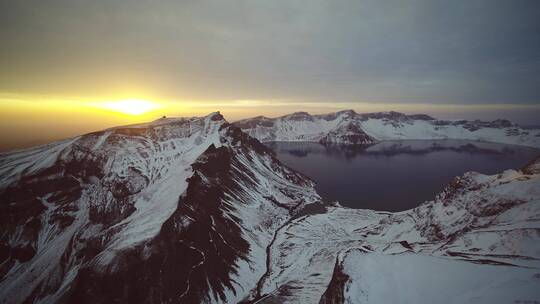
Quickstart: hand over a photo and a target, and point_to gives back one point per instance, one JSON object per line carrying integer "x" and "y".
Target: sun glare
{"x": 131, "y": 106}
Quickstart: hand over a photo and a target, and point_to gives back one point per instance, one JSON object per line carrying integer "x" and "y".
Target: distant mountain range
{"x": 349, "y": 127}
{"x": 197, "y": 210}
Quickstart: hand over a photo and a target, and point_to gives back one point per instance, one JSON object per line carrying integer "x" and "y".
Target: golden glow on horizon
{"x": 134, "y": 107}
{"x": 145, "y": 108}
{"x": 26, "y": 120}
{"x": 99, "y": 113}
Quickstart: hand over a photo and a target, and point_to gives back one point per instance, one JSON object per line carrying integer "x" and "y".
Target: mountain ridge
{"x": 91, "y": 207}
{"x": 349, "y": 127}
{"x": 195, "y": 210}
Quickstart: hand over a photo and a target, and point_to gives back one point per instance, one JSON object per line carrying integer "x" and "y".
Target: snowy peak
{"x": 194, "y": 201}
{"x": 142, "y": 147}
{"x": 349, "y": 127}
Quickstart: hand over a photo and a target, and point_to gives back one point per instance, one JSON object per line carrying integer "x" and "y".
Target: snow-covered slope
{"x": 478, "y": 227}
{"x": 416, "y": 278}
{"x": 193, "y": 210}
{"x": 178, "y": 210}
{"x": 348, "y": 127}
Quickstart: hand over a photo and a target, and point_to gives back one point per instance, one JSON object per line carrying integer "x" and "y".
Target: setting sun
{"x": 130, "y": 106}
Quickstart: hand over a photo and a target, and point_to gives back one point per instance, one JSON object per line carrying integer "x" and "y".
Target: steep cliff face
{"x": 349, "y": 127}
{"x": 178, "y": 210}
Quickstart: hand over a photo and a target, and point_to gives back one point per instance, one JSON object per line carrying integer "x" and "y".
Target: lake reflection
{"x": 396, "y": 175}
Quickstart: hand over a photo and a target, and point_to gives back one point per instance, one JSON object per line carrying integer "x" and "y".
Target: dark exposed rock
{"x": 349, "y": 134}
{"x": 299, "y": 116}
{"x": 185, "y": 261}
{"x": 406, "y": 245}
{"x": 533, "y": 167}
{"x": 420, "y": 117}
{"x": 334, "y": 293}
{"x": 254, "y": 122}
{"x": 331, "y": 116}
{"x": 310, "y": 209}
{"x": 478, "y": 124}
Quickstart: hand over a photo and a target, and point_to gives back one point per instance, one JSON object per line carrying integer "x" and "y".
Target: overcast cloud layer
{"x": 371, "y": 51}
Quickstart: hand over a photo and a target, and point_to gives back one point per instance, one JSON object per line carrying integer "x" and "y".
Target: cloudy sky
{"x": 375, "y": 52}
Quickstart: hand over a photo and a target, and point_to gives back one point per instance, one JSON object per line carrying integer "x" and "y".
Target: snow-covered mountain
{"x": 349, "y": 127}
{"x": 476, "y": 242}
{"x": 178, "y": 210}
{"x": 193, "y": 210}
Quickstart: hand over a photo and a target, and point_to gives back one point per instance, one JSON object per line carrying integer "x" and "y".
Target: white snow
{"x": 415, "y": 278}
{"x": 305, "y": 251}
{"x": 26, "y": 162}
{"x": 161, "y": 156}
{"x": 312, "y": 128}
{"x": 485, "y": 218}
{"x": 159, "y": 200}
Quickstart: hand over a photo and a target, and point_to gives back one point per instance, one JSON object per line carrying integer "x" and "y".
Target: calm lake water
{"x": 396, "y": 175}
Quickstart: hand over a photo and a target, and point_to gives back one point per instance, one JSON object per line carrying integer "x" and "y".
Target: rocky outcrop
{"x": 347, "y": 134}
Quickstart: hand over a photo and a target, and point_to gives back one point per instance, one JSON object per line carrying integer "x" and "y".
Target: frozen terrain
{"x": 416, "y": 278}
{"x": 178, "y": 210}
{"x": 349, "y": 127}
{"x": 194, "y": 210}
{"x": 491, "y": 221}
